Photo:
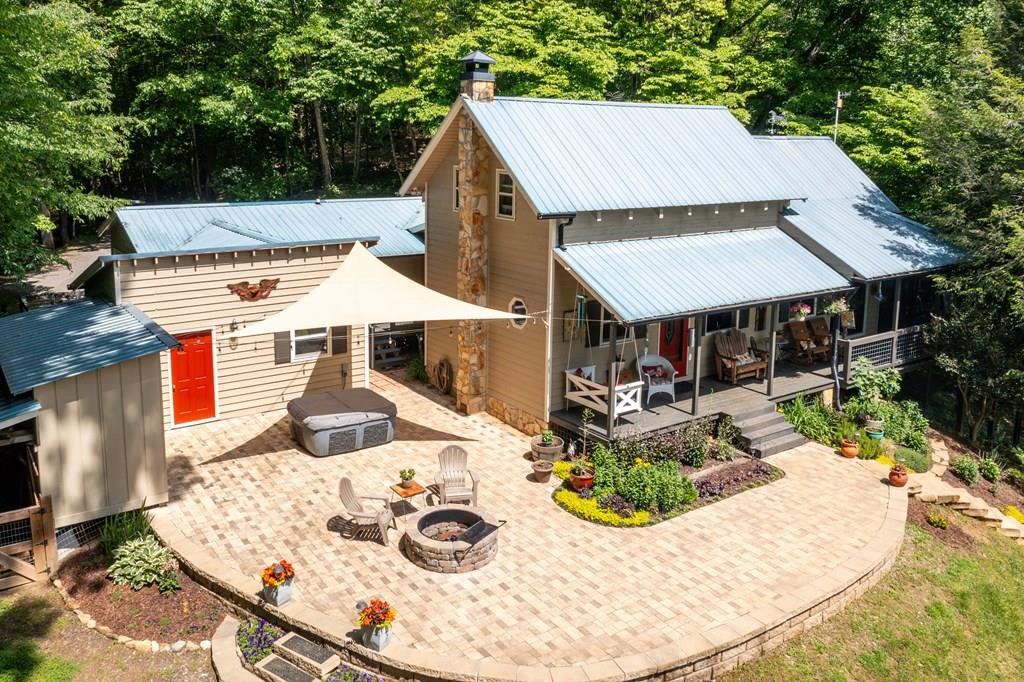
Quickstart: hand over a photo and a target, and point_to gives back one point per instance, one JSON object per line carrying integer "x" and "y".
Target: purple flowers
{"x": 255, "y": 637}
{"x": 347, "y": 674}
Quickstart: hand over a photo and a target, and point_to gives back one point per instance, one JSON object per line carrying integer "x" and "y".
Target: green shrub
{"x": 904, "y": 421}
{"x": 120, "y": 528}
{"x": 1015, "y": 477}
{"x": 591, "y": 510}
{"x": 142, "y": 562}
{"x": 937, "y": 520}
{"x": 657, "y": 487}
{"x": 989, "y": 469}
{"x": 870, "y": 448}
{"x": 872, "y": 383}
{"x": 416, "y": 370}
{"x": 722, "y": 451}
{"x": 814, "y": 419}
{"x": 607, "y": 471}
{"x": 726, "y": 430}
{"x": 688, "y": 446}
{"x": 966, "y": 469}
{"x": 912, "y": 459}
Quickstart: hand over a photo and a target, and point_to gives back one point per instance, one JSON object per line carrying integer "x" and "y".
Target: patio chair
{"x": 803, "y": 343}
{"x": 734, "y": 360}
{"x": 659, "y": 376}
{"x": 365, "y": 515}
{"x": 820, "y": 331}
{"x": 451, "y": 480}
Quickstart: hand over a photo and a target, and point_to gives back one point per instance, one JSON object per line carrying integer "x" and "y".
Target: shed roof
{"x": 60, "y": 341}
{"x": 16, "y": 410}
{"x": 192, "y": 227}
{"x": 570, "y": 156}
{"x": 643, "y": 280}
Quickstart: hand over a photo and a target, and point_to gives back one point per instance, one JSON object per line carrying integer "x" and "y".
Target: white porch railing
{"x": 589, "y": 393}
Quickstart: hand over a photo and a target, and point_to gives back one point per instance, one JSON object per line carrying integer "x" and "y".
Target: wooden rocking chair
{"x": 734, "y": 359}
{"x": 806, "y": 347}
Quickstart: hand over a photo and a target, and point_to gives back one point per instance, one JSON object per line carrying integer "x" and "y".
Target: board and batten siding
{"x": 189, "y": 294}
{"x": 442, "y": 246}
{"x": 101, "y": 441}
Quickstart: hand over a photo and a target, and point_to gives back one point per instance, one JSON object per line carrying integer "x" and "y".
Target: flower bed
{"x": 255, "y": 638}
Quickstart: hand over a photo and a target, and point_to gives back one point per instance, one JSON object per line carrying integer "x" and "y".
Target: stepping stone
{"x": 313, "y": 658}
{"x": 273, "y": 668}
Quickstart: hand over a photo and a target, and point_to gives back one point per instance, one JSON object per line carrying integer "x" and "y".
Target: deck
{"x": 715, "y": 398}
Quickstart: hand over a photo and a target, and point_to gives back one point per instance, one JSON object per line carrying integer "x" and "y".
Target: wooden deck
{"x": 716, "y": 397}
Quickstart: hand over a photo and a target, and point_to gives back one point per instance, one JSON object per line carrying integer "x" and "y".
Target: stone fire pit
{"x": 434, "y": 538}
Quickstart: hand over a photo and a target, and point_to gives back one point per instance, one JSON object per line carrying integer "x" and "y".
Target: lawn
{"x": 946, "y": 611}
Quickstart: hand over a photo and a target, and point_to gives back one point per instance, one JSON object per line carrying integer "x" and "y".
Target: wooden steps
{"x": 765, "y": 432}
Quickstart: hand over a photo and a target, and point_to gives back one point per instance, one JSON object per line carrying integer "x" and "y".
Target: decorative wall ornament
{"x": 254, "y": 292}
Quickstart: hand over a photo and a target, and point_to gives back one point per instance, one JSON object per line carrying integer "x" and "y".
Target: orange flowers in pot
{"x": 377, "y": 614}
{"x": 277, "y": 574}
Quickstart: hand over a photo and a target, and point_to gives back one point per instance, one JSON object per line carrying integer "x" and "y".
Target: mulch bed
{"x": 954, "y": 536}
{"x": 1004, "y": 493}
{"x": 733, "y": 478}
{"x": 190, "y": 614}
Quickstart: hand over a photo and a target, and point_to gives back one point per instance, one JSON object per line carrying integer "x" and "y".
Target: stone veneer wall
{"x": 515, "y": 417}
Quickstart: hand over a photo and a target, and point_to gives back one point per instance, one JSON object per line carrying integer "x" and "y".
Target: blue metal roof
{"x": 571, "y": 156}
{"x": 16, "y": 410}
{"x": 873, "y": 242}
{"x": 665, "y": 277}
{"x": 174, "y": 228}
{"x": 60, "y": 341}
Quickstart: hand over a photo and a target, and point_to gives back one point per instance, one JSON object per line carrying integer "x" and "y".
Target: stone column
{"x": 471, "y": 273}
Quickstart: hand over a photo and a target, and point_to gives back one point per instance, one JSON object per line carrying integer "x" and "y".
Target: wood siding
{"x": 190, "y": 294}
{"x": 442, "y": 253}
{"x": 674, "y": 221}
{"x": 101, "y": 441}
{"x": 410, "y": 266}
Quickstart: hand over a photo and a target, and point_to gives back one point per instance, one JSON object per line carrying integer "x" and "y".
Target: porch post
{"x": 772, "y": 337}
{"x": 696, "y": 335}
{"x": 612, "y": 379}
{"x": 896, "y": 319}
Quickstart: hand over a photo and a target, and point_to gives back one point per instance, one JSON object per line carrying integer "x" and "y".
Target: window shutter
{"x": 339, "y": 340}
{"x": 593, "y": 314}
{"x": 282, "y": 348}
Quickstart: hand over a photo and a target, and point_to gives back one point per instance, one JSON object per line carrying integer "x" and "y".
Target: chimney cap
{"x": 477, "y": 57}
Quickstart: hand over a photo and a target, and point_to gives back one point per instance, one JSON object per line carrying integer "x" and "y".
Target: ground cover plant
{"x": 255, "y": 637}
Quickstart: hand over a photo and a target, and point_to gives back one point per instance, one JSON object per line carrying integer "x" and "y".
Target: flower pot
{"x": 549, "y": 453}
{"x": 849, "y": 448}
{"x": 874, "y": 435}
{"x": 278, "y": 595}
{"x": 376, "y": 638}
{"x": 542, "y": 470}
{"x": 873, "y": 425}
{"x": 582, "y": 481}
{"x": 898, "y": 479}
{"x": 799, "y": 317}
{"x": 407, "y": 484}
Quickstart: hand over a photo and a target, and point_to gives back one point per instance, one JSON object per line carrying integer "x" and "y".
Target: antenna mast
{"x": 839, "y": 105}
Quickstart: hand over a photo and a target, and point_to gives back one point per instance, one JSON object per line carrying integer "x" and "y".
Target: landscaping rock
{"x": 191, "y": 646}
{"x": 91, "y": 624}
{"x": 123, "y": 640}
{"x": 205, "y": 645}
{"x": 139, "y": 644}
{"x": 178, "y": 646}
{"x": 104, "y": 630}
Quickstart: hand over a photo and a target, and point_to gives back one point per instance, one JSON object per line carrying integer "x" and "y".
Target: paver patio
{"x": 561, "y": 591}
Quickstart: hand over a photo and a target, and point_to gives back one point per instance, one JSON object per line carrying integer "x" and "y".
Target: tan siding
{"x": 190, "y": 294}
{"x": 101, "y": 441}
{"x": 410, "y": 266}
{"x": 675, "y": 221}
{"x": 442, "y": 252}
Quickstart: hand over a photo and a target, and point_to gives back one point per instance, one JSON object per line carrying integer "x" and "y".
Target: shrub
{"x": 417, "y": 370}
{"x": 607, "y": 471}
{"x": 814, "y": 419}
{"x": 727, "y": 431}
{"x": 590, "y": 510}
{"x": 1014, "y": 513}
{"x": 904, "y": 421}
{"x": 937, "y": 520}
{"x": 1015, "y": 477}
{"x": 872, "y": 383}
{"x": 657, "y": 487}
{"x": 989, "y": 469}
{"x": 120, "y": 528}
{"x": 688, "y": 446}
{"x": 870, "y": 448}
{"x": 966, "y": 469}
{"x": 142, "y": 562}
{"x": 722, "y": 451}
{"x": 913, "y": 460}
{"x": 255, "y": 637}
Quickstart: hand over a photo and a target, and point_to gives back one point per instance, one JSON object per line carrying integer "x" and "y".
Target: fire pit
{"x": 451, "y": 538}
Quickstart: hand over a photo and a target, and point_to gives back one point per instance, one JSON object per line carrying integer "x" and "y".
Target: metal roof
{"x": 570, "y": 156}
{"x": 175, "y": 228}
{"x": 60, "y": 341}
{"x": 16, "y": 410}
{"x": 873, "y": 242}
{"x": 665, "y": 277}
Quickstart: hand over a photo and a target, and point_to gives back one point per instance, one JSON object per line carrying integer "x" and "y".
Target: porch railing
{"x": 888, "y": 349}
{"x": 590, "y": 393}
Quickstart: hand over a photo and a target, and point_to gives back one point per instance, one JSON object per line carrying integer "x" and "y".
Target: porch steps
{"x": 764, "y": 431}
{"x": 273, "y": 668}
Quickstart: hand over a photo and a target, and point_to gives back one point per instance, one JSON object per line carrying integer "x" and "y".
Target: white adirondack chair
{"x": 367, "y": 515}
{"x": 451, "y": 479}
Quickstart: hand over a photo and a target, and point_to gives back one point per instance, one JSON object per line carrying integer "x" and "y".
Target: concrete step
{"x": 766, "y": 429}
{"x": 756, "y": 420}
{"x": 747, "y": 413}
{"x": 771, "y": 446}
{"x": 304, "y": 654}
{"x": 273, "y": 668}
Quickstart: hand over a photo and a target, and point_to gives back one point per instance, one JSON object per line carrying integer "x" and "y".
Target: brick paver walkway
{"x": 561, "y": 590}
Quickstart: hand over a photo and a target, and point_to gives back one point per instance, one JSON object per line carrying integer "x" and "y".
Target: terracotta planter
{"x": 898, "y": 479}
{"x": 549, "y": 453}
{"x": 542, "y": 470}
{"x": 849, "y": 448}
{"x": 582, "y": 481}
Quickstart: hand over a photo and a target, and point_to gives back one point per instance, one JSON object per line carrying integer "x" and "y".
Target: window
{"x": 308, "y": 344}
{"x": 858, "y": 304}
{"x": 506, "y": 191}
{"x": 456, "y": 181}
{"x": 599, "y": 323}
{"x": 717, "y": 321}
{"x": 785, "y": 306}
{"x": 743, "y": 320}
{"x": 760, "y": 318}
{"x": 918, "y": 299}
{"x": 518, "y": 307}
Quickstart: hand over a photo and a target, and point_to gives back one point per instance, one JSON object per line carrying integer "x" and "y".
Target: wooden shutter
{"x": 282, "y": 348}
{"x": 339, "y": 340}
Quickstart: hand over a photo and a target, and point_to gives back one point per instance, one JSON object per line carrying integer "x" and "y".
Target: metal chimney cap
{"x": 477, "y": 57}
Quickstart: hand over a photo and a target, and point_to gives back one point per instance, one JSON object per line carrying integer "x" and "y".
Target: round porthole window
{"x": 517, "y": 306}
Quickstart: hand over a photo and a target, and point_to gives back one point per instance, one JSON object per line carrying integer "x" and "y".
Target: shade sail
{"x": 364, "y": 290}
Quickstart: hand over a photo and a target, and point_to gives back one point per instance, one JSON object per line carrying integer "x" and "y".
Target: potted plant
{"x": 874, "y": 426}
{"x": 406, "y": 476}
{"x": 277, "y": 582}
{"x": 799, "y": 311}
{"x": 547, "y": 446}
{"x": 581, "y": 475}
{"x": 542, "y": 470}
{"x": 849, "y": 442}
{"x": 375, "y": 621}
{"x": 898, "y": 476}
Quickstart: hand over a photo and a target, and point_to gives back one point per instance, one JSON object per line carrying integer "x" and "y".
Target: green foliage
{"x": 120, "y": 528}
{"x": 936, "y": 519}
{"x": 904, "y": 421}
{"x": 989, "y": 469}
{"x": 547, "y": 437}
{"x": 590, "y": 510}
{"x": 722, "y": 451}
{"x": 607, "y": 471}
{"x": 965, "y": 468}
{"x": 1015, "y": 477}
{"x": 144, "y": 561}
{"x": 416, "y": 370}
{"x": 847, "y": 429}
{"x": 875, "y": 384}
{"x": 561, "y": 469}
{"x": 726, "y": 430}
{"x": 812, "y": 419}
{"x": 870, "y": 448}
{"x": 255, "y": 638}
{"x": 914, "y": 460}
{"x": 407, "y": 474}
{"x": 24, "y": 661}
{"x": 657, "y": 487}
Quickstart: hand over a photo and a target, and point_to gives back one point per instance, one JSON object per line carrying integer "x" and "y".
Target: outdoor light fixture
{"x": 661, "y": 213}
{"x": 630, "y": 214}
{"x": 716, "y": 209}
{"x": 689, "y": 210}
{"x": 743, "y": 208}
{"x": 597, "y": 218}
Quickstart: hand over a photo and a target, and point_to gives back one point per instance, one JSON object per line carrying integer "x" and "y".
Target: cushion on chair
{"x": 654, "y": 371}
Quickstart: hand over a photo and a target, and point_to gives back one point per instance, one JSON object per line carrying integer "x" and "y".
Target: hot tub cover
{"x": 340, "y": 408}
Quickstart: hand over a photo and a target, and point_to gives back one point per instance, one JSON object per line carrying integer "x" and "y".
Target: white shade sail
{"x": 364, "y": 290}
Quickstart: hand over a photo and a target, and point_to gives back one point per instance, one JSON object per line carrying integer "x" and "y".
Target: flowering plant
{"x": 799, "y": 310}
{"x": 836, "y": 306}
{"x": 377, "y": 614}
{"x": 407, "y": 474}
{"x": 275, "y": 575}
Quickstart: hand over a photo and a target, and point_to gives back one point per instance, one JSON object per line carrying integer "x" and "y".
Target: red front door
{"x": 192, "y": 389}
{"x": 674, "y": 343}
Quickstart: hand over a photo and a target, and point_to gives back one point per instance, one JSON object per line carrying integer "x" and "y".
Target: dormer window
{"x": 506, "y": 196}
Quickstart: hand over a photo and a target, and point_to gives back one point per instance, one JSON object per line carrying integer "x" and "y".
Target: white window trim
{"x": 518, "y": 324}
{"x": 310, "y": 357}
{"x": 498, "y": 194}
{"x": 456, "y": 198}
{"x": 607, "y": 320}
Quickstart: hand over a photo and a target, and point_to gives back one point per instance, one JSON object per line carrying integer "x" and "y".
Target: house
{"x": 203, "y": 271}
{"x": 633, "y": 229}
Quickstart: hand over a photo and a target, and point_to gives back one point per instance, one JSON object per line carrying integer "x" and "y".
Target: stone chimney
{"x": 477, "y": 80}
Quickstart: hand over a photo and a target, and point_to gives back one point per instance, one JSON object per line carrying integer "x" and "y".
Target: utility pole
{"x": 839, "y": 105}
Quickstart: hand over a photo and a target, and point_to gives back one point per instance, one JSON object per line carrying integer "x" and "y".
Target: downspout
{"x": 563, "y": 220}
